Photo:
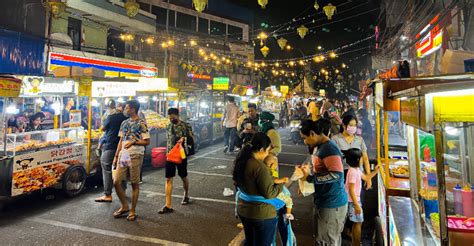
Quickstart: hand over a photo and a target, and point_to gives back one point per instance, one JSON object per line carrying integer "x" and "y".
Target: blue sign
{"x": 21, "y": 53}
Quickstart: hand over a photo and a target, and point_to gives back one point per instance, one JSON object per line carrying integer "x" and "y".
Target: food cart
{"x": 440, "y": 209}
{"x": 39, "y": 159}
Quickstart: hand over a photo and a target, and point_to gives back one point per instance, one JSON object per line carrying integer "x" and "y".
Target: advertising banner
{"x": 221, "y": 84}
{"x": 42, "y": 169}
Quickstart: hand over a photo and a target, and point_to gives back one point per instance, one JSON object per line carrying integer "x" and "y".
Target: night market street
{"x": 208, "y": 220}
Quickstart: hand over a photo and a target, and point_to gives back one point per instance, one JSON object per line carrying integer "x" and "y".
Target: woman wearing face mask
{"x": 348, "y": 139}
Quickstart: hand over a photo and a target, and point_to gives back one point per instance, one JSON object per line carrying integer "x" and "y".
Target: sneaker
{"x": 226, "y": 148}
{"x": 237, "y": 150}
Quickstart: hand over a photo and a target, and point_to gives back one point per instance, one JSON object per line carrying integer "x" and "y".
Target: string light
{"x": 332, "y": 55}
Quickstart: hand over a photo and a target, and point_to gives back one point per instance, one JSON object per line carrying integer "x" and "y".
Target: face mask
{"x": 351, "y": 130}
{"x": 126, "y": 114}
{"x": 174, "y": 121}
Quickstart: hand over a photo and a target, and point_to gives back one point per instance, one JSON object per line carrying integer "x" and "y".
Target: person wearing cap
{"x": 266, "y": 126}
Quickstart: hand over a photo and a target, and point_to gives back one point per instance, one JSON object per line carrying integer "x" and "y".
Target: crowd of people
{"x": 334, "y": 134}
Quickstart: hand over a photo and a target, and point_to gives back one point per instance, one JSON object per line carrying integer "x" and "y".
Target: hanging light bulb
{"x": 332, "y": 55}
{"x": 263, "y": 3}
{"x": 199, "y": 5}
{"x": 132, "y": 7}
{"x": 316, "y": 5}
{"x": 329, "y": 10}
{"x": 302, "y": 31}
{"x": 265, "y": 51}
{"x": 282, "y": 43}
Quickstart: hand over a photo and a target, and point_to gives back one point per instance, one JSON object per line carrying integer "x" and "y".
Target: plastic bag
{"x": 125, "y": 159}
{"x": 228, "y": 192}
{"x": 174, "y": 155}
{"x": 306, "y": 188}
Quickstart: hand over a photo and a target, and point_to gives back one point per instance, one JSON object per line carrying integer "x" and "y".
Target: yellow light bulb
{"x": 332, "y": 55}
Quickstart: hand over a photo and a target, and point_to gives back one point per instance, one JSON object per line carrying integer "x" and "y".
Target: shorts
{"x": 328, "y": 225}
{"x": 170, "y": 169}
{"x": 358, "y": 218}
{"x": 131, "y": 172}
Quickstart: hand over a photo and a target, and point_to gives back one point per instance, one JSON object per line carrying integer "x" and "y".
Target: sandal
{"x": 185, "y": 201}
{"x": 103, "y": 199}
{"x": 132, "y": 217}
{"x": 120, "y": 213}
{"x": 165, "y": 210}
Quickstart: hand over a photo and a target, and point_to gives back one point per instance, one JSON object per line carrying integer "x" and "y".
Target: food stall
{"x": 391, "y": 141}
{"x": 440, "y": 207}
{"x": 39, "y": 159}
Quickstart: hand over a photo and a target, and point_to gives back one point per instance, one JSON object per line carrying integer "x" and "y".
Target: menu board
{"x": 42, "y": 169}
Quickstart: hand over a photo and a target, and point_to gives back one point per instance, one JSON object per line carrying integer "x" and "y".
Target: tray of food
{"x": 399, "y": 171}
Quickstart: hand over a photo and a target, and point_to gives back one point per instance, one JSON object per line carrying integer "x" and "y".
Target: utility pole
{"x": 165, "y": 67}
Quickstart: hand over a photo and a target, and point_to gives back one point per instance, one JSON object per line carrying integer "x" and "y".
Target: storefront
{"x": 438, "y": 114}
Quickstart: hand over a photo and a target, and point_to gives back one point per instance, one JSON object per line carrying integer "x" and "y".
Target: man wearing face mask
{"x": 348, "y": 139}
{"x": 176, "y": 132}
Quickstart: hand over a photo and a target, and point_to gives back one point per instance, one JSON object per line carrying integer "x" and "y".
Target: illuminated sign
{"x": 284, "y": 89}
{"x": 221, "y": 84}
{"x": 9, "y": 87}
{"x": 193, "y": 76}
{"x": 113, "y": 89}
{"x": 65, "y": 60}
{"x": 152, "y": 84}
{"x": 431, "y": 40}
{"x": 33, "y": 86}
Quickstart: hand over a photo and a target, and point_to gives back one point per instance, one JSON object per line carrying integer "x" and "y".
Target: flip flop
{"x": 165, "y": 210}
{"x": 185, "y": 201}
{"x": 132, "y": 217}
{"x": 102, "y": 200}
{"x": 120, "y": 213}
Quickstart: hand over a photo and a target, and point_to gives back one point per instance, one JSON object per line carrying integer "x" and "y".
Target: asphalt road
{"x": 42, "y": 219}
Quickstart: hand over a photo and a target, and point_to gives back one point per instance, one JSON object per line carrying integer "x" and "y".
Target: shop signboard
{"x": 382, "y": 208}
{"x": 152, "y": 84}
{"x": 431, "y": 40}
{"x": 41, "y": 169}
{"x": 34, "y": 86}
{"x": 379, "y": 93}
{"x": 195, "y": 77}
{"x": 220, "y": 84}
{"x": 322, "y": 93}
{"x": 284, "y": 89}
{"x": 10, "y": 87}
{"x": 111, "y": 68}
{"x": 113, "y": 89}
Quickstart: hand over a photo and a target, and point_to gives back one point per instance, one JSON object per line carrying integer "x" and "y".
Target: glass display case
{"x": 21, "y": 143}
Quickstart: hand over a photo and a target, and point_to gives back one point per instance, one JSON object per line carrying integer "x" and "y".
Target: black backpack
{"x": 189, "y": 142}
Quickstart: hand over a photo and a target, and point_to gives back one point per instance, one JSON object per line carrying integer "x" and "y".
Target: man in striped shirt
{"x": 330, "y": 197}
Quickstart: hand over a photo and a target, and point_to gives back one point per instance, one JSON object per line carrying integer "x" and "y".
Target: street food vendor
{"x": 35, "y": 122}
{"x": 66, "y": 112}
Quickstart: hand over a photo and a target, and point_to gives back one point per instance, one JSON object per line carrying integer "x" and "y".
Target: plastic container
{"x": 467, "y": 203}
{"x": 457, "y": 200}
{"x": 158, "y": 157}
{"x": 431, "y": 179}
{"x": 431, "y": 206}
{"x": 426, "y": 154}
{"x": 459, "y": 232}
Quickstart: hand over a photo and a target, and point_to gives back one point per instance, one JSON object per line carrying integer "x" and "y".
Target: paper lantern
{"x": 282, "y": 43}
{"x": 302, "y": 31}
{"x": 56, "y": 7}
{"x": 316, "y": 5}
{"x": 190, "y": 67}
{"x": 263, "y": 3}
{"x": 132, "y": 7}
{"x": 184, "y": 66}
{"x": 199, "y": 5}
{"x": 329, "y": 10}
{"x": 265, "y": 50}
{"x": 209, "y": 70}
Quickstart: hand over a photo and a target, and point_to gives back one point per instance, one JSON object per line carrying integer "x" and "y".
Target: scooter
{"x": 295, "y": 136}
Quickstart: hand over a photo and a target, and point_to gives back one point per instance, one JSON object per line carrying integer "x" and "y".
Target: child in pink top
{"x": 353, "y": 187}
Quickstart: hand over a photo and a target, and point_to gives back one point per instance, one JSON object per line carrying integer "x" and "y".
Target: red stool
{"x": 158, "y": 157}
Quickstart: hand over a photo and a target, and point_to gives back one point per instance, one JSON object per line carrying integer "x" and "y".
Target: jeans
{"x": 259, "y": 232}
{"x": 328, "y": 225}
{"x": 282, "y": 230}
{"x": 106, "y": 160}
{"x": 229, "y": 138}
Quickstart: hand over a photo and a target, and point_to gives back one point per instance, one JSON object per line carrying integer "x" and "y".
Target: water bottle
{"x": 467, "y": 203}
{"x": 457, "y": 200}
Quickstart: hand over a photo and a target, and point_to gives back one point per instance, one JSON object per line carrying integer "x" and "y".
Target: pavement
{"x": 49, "y": 218}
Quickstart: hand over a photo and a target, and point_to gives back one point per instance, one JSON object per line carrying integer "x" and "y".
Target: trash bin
{"x": 158, "y": 157}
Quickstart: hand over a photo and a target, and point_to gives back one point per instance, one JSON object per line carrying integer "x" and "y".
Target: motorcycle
{"x": 295, "y": 131}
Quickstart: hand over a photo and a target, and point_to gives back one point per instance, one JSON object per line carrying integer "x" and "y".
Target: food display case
{"x": 438, "y": 113}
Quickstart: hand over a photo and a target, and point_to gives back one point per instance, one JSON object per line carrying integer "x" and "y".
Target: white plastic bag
{"x": 125, "y": 159}
{"x": 306, "y": 188}
{"x": 228, "y": 192}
